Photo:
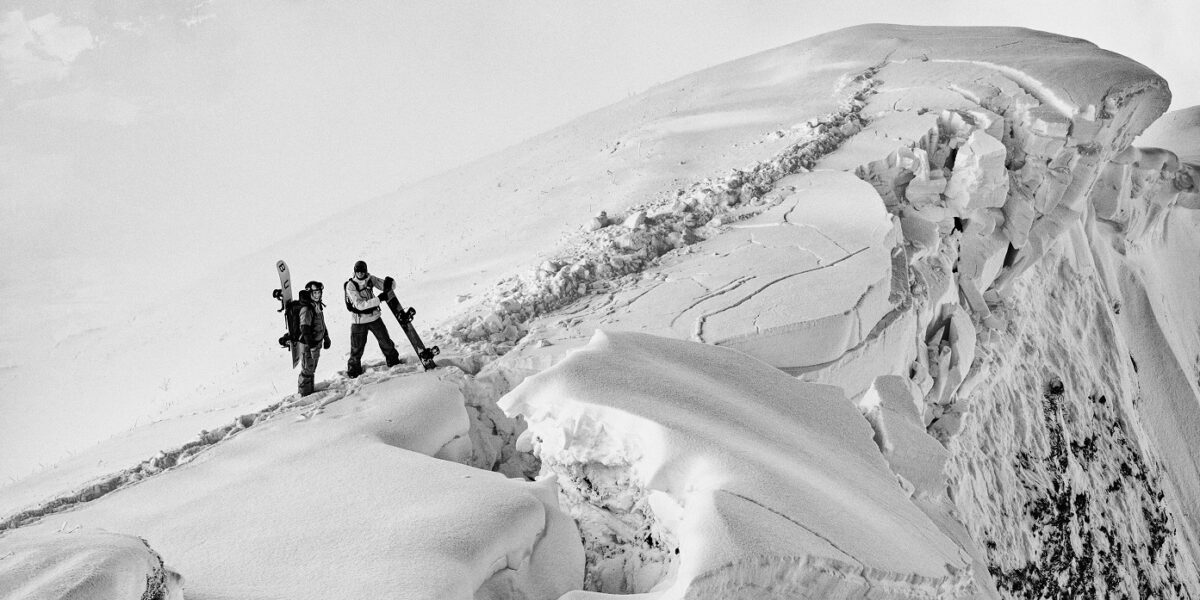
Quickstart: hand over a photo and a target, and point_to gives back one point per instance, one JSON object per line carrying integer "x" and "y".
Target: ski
{"x": 284, "y": 296}
{"x": 405, "y": 316}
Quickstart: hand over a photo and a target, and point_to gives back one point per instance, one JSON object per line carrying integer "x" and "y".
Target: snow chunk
{"x": 763, "y": 468}
{"x": 83, "y": 565}
{"x": 979, "y": 179}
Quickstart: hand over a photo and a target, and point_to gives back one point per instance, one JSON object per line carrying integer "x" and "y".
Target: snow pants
{"x": 309, "y": 355}
{"x": 358, "y": 343}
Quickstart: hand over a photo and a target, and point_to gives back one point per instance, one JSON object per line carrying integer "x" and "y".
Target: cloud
{"x": 86, "y": 105}
{"x": 40, "y": 49}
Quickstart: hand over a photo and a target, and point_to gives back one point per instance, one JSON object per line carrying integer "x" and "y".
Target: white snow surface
{"x": 353, "y": 499}
{"x": 847, "y": 250}
{"x": 83, "y": 565}
{"x": 738, "y": 289}
{"x": 751, "y": 462}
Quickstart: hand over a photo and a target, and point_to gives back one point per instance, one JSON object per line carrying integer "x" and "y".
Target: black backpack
{"x": 292, "y": 312}
{"x": 349, "y": 306}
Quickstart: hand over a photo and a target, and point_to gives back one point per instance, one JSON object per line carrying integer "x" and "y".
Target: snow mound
{"x": 361, "y": 496}
{"x": 83, "y": 565}
{"x": 730, "y": 471}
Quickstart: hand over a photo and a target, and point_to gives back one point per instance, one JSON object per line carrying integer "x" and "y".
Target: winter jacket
{"x": 361, "y": 295}
{"x": 312, "y": 323}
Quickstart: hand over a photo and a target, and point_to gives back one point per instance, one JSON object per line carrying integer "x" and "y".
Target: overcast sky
{"x": 222, "y": 126}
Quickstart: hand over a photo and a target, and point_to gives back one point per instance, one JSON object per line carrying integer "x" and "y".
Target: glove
{"x": 382, "y": 297}
{"x": 388, "y": 283}
{"x": 327, "y": 343}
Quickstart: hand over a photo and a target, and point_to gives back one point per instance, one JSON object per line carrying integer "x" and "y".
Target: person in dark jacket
{"x": 313, "y": 334}
{"x": 362, "y": 302}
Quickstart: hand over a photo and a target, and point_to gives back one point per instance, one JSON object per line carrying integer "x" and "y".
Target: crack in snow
{"x": 628, "y": 303}
{"x": 787, "y": 219}
{"x": 728, "y": 287}
{"x": 797, "y": 524}
{"x": 1028, "y": 83}
{"x": 698, "y": 334}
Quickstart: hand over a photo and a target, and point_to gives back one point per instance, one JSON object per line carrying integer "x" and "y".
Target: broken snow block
{"x": 1111, "y": 190}
{"x": 600, "y": 221}
{"x": 872, "y": 410}
{"x": 1083, "y": 177}
{"x": 1042, "y": 147}
{"x": 898, "y": 395}
{"x": 1047, "y": 129}
{"x": 883, "y": 174}
{"x": 919, "y": 232}
{"x": 952, "y": 349}
{"x": 980, "y": 256}
{"x": 921, "y": 191}
{"x": 915, "y": 161}
{"x": 1057, "y": 176}
{"x": 956, "y": 123}
{"x": 979, "y": 119}
{"x": 979, "y": 179}
{"x": 975, "y": 91}
{"x": 635, "y": 220}
{"x": 1029, "y": 176}
{"x": 1043, "y": 233}
{"x": 962, "y": 338}
{"x": 1018, "y": 217}
{"x": 945, "y": 427}
{"x": 970, "y": 291}
{"x": 931, "y": 213}
{"x": 915, "y": 456}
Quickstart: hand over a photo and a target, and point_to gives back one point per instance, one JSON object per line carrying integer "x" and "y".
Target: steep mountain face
{"x": 985, "y": 290}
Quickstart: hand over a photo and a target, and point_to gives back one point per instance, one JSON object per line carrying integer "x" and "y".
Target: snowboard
{"x": 405, "y": 316}
{"x": 284, "y": 296}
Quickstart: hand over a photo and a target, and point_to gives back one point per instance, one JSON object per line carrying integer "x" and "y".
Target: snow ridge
{"x": 651, "y": 230}
{"x": 492, "y": 436}
{"x": 169, "y": 459}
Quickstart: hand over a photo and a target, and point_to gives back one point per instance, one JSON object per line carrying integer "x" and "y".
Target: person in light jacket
{"x": 363, "y": 305}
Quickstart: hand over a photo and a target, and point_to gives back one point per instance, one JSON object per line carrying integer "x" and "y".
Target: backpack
{"x": 292, "y": 312}
{"x": 349, "y": 306}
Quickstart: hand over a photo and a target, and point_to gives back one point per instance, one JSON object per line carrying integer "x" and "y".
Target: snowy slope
{"x": 360, "y": 494}
{"x": 948, "y": 225}
{"x": 454, "y": 235}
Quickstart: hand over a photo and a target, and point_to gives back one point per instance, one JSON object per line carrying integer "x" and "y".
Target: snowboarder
{"x": 363, "y": 303}
{"x": 313, "y": 334}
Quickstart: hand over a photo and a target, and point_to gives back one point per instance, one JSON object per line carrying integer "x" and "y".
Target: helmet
{"x": 314, "y": 286}
{"x": 360, "y": 267}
